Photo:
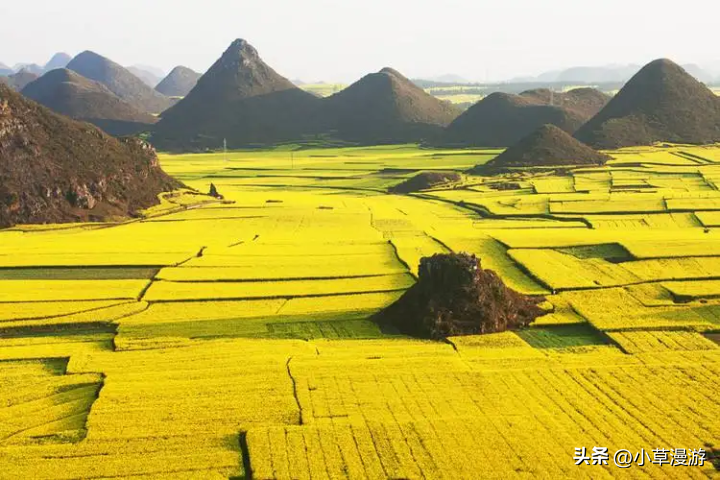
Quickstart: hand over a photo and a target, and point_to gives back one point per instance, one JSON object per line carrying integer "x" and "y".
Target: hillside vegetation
{"x": 54, "y": 169}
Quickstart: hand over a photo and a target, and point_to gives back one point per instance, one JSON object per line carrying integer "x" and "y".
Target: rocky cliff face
{"x": 53, "y": 169}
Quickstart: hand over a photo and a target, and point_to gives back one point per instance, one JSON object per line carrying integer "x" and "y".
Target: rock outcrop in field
{"x": 240, "y": 99}
{"x": 426, "y": 180}
{"x": 661, "y": 103}
{"x": 120, "y": 81}
{"x": 68, "y": 93}
{"x": 548, "y": 146}
{"x": 386, "y": 107}
{"x": 54, "y": 169}
{"x": 501, "y": 120}
{"x": 455, "y": 296}
{"x": 179, "y": 82}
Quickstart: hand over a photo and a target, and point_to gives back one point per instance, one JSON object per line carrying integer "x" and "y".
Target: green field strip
{"x": 612, "y": 252}
{"x": 337, "y": 329}
{"x": 68, "y": 329}
{"x": 347, "y": 325}
{"x": 563, "y": 336}
{"x": 77, "y": 273}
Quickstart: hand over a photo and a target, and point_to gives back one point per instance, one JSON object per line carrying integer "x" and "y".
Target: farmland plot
{"x": 236, "y": 338}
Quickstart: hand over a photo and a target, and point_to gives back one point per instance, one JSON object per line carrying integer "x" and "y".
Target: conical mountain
{"x": 386, "y": 107}
{"x": 59, "y": 60}
{"x": 71, "y": 94}
{"x": 54, "y": 169}
{"x": 119, "y": 81}
{"x": 548, "y": 146}
{"x": 240, "y": 99}
{"x": 501, "y": 120}
{"x": 661, "y": 103}
{"x": 179, "y": 82}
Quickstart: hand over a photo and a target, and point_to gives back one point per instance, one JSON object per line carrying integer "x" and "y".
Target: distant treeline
{"x": 443, "y": 88}
{"x": 458, "y": 90}
{"x": 440, "y": 88}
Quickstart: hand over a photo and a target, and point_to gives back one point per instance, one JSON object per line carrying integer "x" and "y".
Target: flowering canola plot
{"x": 235, "y": 338}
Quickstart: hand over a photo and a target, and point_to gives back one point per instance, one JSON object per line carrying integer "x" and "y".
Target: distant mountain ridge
{"x": 179, "y": 82}
{"x": 59, "y": 60}
{"x": 75, "y": 96}
{"x": 149, "y": 77}
{"x": 120, "y": 81}
{"x": 29, "y": 67}
{"x": 606, "y": 74}
{"x": 5, "y": 70}
{"x": 18, "y": 81}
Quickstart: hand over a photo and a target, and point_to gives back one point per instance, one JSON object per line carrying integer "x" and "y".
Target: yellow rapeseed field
{"x": 236, "y": 338}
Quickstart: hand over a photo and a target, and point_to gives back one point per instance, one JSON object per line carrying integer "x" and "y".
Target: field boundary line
{"x": 301, "y": 420}
{"x": 199, "y": 254}
{"x": 400, "y": 259}
{"x": 49, "y": 317}
{"x": 440, "y": 242}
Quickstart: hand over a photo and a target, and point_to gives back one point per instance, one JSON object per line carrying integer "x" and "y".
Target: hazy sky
{"x": 340, "y": 40}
